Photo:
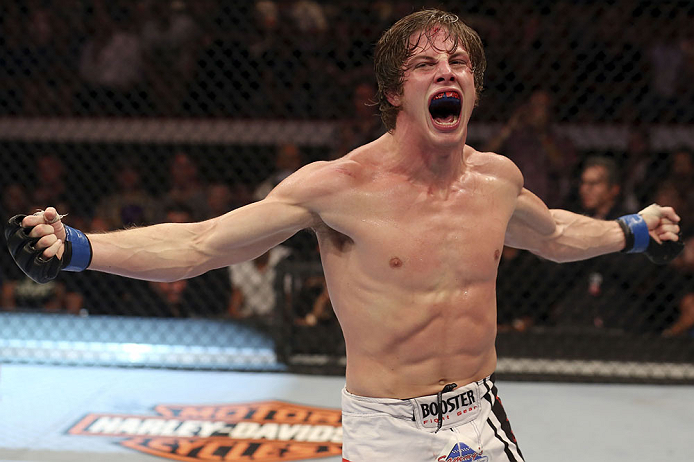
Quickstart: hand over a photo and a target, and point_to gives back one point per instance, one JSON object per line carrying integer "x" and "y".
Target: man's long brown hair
{"x": 394, "y": 49}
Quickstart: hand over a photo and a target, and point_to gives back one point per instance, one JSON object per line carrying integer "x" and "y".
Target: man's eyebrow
{"x": 418, "y": 59}
{"x": 458, "y": 53}
{"x": 424, "y": 56}
{"x": 421, "y": 57}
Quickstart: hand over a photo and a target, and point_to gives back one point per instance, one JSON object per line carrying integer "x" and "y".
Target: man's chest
{"x": 405, "y": 232}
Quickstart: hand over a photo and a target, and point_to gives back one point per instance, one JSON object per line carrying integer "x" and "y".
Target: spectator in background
{"x": 221, "y": 198}
{"x": 600, "y": 189}
{"x": 362, "y": 123}
{"x": 253, "y": 286}
{"x": 527, "y": 289}
{"x": 682, "y": 171}
{"x": 186, "y": 187}
{"x": 51, "y": 297}
{"x": 12, "y": 55}
{"x": 687, "y": 76}
{"x": 112, "y": 64}
{"x": 14, "y": 200}
{"x": 609, "y": 66}
{"x": 42, "y": 62}
{"x": 684, "y": 324}
{"x": 16, "y": 289}
{"x": 599, "y": 290}
{"x": 528, "y": 50}
{"x": 637, "y": 166}
{"x": 204, "y": 295}
{"x": 545, "y": 158}
{"x": 51, "y": 187}
{"x": 665, "y": 51}
{"x": 171, "y": 39}
{"x": 267, "y": 47}
{"x": 130, "y": 205}
{"x": 313, "y": 304}
{"x": 167, "y": 299}
{"x": 311, "y": 90}
{"x": 316, "y": 329}
{"x": 666, "y": 293}
{"x": 309, "y": 18}
{"x": 289, "y": 159}
{"x": 349, "y": 46}
{"x": 266, "y": 17}
{"x": 684, "y": 320}
{"x": 523, "y": 302}
{"x": 681, "y": 176}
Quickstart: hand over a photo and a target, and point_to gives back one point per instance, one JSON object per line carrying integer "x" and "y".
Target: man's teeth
{"x": 447, "y": 94}
{"x": 450, "y": 120}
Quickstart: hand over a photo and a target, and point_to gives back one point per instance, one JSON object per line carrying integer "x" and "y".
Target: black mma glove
{"x": 77, "y": 254}
{"x": 638, "y": 240}
{"x": 662, "y": 254}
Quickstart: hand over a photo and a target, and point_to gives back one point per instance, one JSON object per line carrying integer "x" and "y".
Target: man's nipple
{"x": 395, "y": 262}
{"x": 497, "y": 254}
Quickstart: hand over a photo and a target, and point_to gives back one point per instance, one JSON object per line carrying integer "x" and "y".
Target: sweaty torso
{"x": 411, "y": 273}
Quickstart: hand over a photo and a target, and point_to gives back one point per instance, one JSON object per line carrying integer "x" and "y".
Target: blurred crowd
{"x": 620, "y": 60}
{"x": 549, "y": 62}
{"x": 172, "y": 188}
{"x": 615, "y": 292}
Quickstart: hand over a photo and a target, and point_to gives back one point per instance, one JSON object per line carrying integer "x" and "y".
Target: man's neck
{"x": 435, "y": 166}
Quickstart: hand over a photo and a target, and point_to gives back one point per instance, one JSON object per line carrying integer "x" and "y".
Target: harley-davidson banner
{"x": 266, "y": 431}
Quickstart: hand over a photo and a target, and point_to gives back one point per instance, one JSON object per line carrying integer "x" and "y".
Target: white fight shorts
{"x": 473, "y": 427}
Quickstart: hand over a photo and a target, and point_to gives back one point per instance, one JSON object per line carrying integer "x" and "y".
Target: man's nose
{"x": 444, "y": 73}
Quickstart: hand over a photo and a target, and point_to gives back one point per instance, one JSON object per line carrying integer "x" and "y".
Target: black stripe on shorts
{"x": 500, "y": 414}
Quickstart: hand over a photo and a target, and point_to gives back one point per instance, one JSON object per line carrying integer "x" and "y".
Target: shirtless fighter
{"x": 410, "y": 227}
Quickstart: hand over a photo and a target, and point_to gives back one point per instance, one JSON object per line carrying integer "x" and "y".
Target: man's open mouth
{"x": 445, "y": 108}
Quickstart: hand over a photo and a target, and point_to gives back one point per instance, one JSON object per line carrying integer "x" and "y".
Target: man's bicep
{"x": 250, "y": 231}
{"x": 531, "y": 224}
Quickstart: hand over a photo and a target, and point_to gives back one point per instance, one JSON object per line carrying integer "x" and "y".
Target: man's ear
{"x": 393, "y": 99}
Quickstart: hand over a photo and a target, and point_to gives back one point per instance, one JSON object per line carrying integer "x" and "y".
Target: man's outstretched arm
{"x": 562, "y": 236}
{"x": 172, "y": 251}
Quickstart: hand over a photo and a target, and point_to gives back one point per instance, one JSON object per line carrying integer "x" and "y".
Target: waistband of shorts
{"x": 404, "y": 408}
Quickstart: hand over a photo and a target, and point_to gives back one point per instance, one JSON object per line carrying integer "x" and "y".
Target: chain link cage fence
{"x": 132, "y": 112}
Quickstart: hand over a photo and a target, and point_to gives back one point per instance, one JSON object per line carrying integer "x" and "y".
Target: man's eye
{"x": 420, "y": 65}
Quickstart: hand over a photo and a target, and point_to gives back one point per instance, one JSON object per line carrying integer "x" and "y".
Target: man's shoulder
{"x": 338, "y": 172}
{"x": 493, "y": 164}
{"x": 320, "y": 179}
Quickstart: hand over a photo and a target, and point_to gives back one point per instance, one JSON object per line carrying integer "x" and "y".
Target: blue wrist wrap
{"x": 81, "y": 250}
{"x": 637, "y": 225}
